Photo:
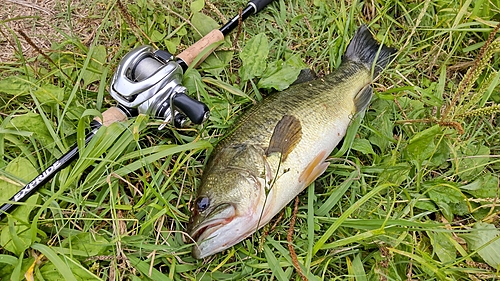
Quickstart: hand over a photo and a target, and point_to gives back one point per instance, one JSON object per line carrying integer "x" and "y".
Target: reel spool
{"x": 150, "y": 82}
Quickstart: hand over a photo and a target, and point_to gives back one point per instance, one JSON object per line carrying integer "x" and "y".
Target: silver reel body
{"x": 149, "y": 82}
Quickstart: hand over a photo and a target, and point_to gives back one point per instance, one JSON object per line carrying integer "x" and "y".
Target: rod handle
{"x": 190, "y": 54}
{"x": 111, "y": 115}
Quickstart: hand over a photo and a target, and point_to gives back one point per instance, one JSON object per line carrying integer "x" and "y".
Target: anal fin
{"x": 314, "y": 169}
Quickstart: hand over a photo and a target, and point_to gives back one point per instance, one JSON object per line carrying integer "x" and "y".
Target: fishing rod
{"x": 147, "y": 81}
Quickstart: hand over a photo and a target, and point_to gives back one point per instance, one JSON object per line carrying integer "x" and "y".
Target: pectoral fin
{"x": 362, "y": 99}
{"x": 314, "y": 169}
{"x": 286, "y": 135}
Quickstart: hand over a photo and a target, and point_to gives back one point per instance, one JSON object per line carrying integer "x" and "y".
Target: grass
{"x": 412, "y": 193}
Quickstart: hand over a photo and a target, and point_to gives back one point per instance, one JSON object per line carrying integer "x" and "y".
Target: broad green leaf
{"x": 49, "y": 94}
{"x": 280, "y": 75}
{"x": 95, "y": 68}
{"x": 448, "y": 197}
{"x": 484, "y": 187}
{"x": 197, "y": 5}
{"x": 31, "y": 122}
{"x": 425, "y": 205}
{"x": 203, "y": 23}
{"x": 442, "y": 245}
{"x": 382, "y": 125}
{"x": 421, "y": 145}
{"x": 253, "y": 57}
{"x": 99, "y": 55}
{"x": 363, "y": 145}
{"x": 20, "y": 168}
{"x": 440, "y": 155}
{"x": 16, "y": 269}
{"x": 193, "y": 83}
{"x": 296, "y": 61}
{"x": 182, "y": 31}
{"x": 445, "y": 209}
{"x": 172, "y": 44}
{"x": 6, "y": 259}
{"x": 90, "y": 243}
{"x": 474, "y": 157}
{"x": 216, "y": 63}
{"x": 14, "y": 85}
{"x": 281, "y": 79}
{"x": 157, "y": 36}
{"x": 484, "y": 239}
{"x": 15, "y": 238}
{"x": 395, "y": 173}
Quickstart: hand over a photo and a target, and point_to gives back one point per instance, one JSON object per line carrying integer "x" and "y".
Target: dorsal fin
{"x": 286, "y": 135}
{"x": 305, "y": 75}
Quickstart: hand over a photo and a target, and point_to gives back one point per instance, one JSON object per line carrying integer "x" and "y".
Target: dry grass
{"x": 44, "y": 22}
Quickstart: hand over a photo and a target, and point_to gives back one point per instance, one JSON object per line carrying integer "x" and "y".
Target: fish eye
{"x": 202, "y": 203}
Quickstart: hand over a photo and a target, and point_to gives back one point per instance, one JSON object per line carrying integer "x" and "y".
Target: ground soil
{"x": 44, "y": 23}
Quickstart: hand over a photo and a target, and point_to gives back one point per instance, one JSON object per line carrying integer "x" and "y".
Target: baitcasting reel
{"x": 149, "y": 82}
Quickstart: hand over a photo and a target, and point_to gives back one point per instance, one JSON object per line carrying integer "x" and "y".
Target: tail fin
{"x": 364, "y": 49}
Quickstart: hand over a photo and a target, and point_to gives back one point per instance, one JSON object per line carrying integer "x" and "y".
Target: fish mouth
{"x": 220, "y": 229}
{"x": 206, "y": 229}
{"x": 222, "y": 215}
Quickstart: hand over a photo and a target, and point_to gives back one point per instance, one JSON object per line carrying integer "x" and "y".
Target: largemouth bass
{"x": 279, "y": 147}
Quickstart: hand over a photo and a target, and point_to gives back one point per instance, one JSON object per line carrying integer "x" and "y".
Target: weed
{"x": 414, "y": 198}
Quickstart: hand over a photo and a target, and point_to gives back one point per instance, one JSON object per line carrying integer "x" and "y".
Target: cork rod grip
{"x": 189, "y": 55}
{"x": 111, "y": 115}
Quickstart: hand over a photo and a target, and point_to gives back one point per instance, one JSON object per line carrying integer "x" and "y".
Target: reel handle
{"x": 195, "y": 110}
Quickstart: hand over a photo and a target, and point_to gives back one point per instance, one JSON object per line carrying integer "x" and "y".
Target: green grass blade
{"x": 427, "y": 263}
{"x": 310, "y": 226}
{"x": 147, "y": 270}
{"x": 319, "y": 244}
{"x": 358, "y": 269}
{"x": 61, "y": 266}
{"x": 6, "y": 259}
{"x": 336, "y": 195}
{"x": 274, "y": 265}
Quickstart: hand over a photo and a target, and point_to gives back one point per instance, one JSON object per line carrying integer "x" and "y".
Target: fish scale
{"x": 314, "y": 102}
{"x": 279, "y": 147}
{"x": 257, "y": 128}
